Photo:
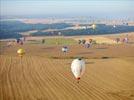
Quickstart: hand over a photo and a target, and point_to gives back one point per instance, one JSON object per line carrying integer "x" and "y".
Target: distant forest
{"x": 100, "y": 30}
{"x": 11, "y": 29}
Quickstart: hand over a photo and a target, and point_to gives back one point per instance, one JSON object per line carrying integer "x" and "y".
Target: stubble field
{"x": 43, "y": 73}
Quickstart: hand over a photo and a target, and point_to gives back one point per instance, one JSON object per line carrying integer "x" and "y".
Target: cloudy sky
{"x": 115, "y": 8}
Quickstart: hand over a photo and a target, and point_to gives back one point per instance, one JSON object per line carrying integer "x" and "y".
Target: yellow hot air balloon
{"x": 21, "y": 52}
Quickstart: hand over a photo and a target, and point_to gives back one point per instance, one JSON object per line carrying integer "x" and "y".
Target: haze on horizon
{"x": 97, "y": 8}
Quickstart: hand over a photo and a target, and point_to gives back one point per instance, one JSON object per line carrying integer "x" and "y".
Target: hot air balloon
{"x": 87, "y": 45}
{"x": 64, "y": 49}
{"x": 21, "y": 52}
{"x": 114, "y": 26}
{"x": 78, "y": 68}
{"x": 79, "y": 41}
{"x": 94, "y": 26}
{"x": 59, "y": 33}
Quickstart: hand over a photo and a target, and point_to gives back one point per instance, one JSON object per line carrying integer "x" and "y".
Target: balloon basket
{"x": 21, "y": 56}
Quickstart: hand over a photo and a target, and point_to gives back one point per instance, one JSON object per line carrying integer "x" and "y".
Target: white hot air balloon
{"x": 78, "y": 68}
{"x": 64, "y": 49}
{"x": 114, "y": 26}
{"x": 94, "y": 26}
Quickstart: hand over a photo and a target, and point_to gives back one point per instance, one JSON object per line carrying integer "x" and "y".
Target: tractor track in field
{"x": 38, "y": 76}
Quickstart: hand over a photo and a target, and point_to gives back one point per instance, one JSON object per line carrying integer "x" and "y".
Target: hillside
{"x": 15, "y": 29}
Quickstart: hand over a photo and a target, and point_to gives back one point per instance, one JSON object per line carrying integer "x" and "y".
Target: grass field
{"x": 44, "y": 72}
{"x": 54, "y": 41}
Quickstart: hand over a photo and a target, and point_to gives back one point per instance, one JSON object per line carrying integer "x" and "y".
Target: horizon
{"x": 70, "y": 8}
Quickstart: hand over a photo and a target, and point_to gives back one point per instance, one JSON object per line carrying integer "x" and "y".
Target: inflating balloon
{"x": 78, "y": 68}
{"x": 21, "y": 52}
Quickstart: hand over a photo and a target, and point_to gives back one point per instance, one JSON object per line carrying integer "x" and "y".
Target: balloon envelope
{"x": 93, "y": 26}
{"x": 64, "y": 49}
{"x": 78, "y": 68}
{"x": 21, "y": 51}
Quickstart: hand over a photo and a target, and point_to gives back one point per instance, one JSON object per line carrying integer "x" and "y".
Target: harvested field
{"x": 44, "y": 73}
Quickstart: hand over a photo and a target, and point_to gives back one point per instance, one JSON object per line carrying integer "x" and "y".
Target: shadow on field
{"x": 101, "y": 48}
{"x": 130, "y": 42}
{"x": 52, "y": 57}
{"x": 90, "y": 62}
{"x": 73, "y": 57}
{"x": 105, "y": 57}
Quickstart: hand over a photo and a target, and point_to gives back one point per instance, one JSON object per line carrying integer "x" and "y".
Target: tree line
{"x": 11, "y": 29}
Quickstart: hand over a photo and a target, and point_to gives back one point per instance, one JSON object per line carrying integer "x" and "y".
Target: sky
{"x": 97, "y": 8}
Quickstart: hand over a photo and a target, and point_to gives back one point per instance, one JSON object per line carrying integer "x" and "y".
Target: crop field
{"x": 54, "y": 41}
{"x": 44, "y": 73}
